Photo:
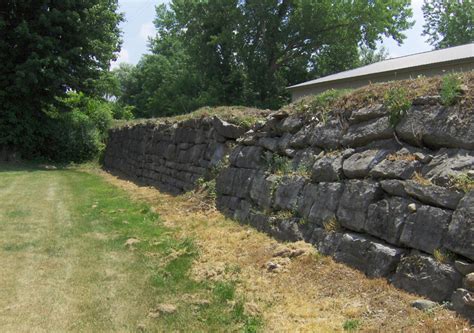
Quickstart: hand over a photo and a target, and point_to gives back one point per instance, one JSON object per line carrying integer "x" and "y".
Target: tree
{"x": 249, "y": 51}
{"x": 47, "y": 48}
{"x": 448, "y": 22}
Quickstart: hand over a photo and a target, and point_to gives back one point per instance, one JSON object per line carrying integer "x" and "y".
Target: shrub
{"x": 450, "y": 89}
{"x": 397, "y": 103}
{"x": 77, "y": 131}
{"x": 279, "y": 165}
{"x": 351, "y": 325}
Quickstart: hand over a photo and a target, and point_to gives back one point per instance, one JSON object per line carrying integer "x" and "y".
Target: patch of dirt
{"x": 309, "y": 293}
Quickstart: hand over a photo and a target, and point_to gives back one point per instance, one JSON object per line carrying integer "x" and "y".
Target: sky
{"x": 138, "y": 27}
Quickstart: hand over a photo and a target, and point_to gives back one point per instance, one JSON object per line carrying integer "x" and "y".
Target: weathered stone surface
{"x": 437, "y": 127}
{"x": 448, "y": 163}
{"x": 373, "y": 258}
{"x": 395, "y": 169}
{"x": 463, "y": 303}
{"x": 423, "y": 275}
{"x": 394, "y": 187}
{"x": 460, "y": 236}
{"x": 327, "y": 135}
{"x": 247, "y": 157}
{"x": 364, "y": 133}
{"x": 287, "y": 191}
{"x": 464, "y": 267}
{"x": 424, "y": 230}
{"x": 301, "y": 138}
{"x": 226, "y": 129}
{"x": 261, "y": 191}
{"x": 386, "y": 219}
{"x": 291, "y": 124}
{"x": 357, "y": 196}
{"x": 225, "y": 180}
{"x": 323, "y": 200}
{"x": 468, "y": 282}
{"x": 367, "y": 113}
{"x": 286, "y": 230}
{"x": 326, "y": 242}
{"x": 327, "y": 168}
{"x": 269, "y": 143}
{"x": 433, "y": 194}
{"x": 359, "y": 164}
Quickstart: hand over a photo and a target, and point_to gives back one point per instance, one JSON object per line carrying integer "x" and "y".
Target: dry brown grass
{"x": 402, "y": 157}
{"x": 375, "y": 93}
{"x": 418, "y": 177}
{"x": 311, "y": 294}
{"x": 240, "y": 115}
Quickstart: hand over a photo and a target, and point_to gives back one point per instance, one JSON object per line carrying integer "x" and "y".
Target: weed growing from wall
{"x": 450, "y": 89}
{"x": 397, "y": 103}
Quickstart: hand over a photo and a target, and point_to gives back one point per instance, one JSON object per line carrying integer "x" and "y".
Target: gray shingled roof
{"x": 411, "y": 61}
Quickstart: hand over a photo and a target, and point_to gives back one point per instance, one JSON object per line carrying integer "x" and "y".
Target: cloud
{"x": 123, "y": 57}
{"x": 147, "y": 30}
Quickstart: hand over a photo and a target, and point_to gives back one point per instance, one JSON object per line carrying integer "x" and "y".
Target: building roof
{"x": 430, "y": 58}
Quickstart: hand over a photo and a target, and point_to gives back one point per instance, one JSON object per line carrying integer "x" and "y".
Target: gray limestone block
{"x": 395, "y": 169}
{"x": 394, "y": 187}
{"x": 225, "y": 181}
{"x": 291, "y": 124}
{"x": 423, "y": 275}
{"x": 448, "y": 163}
{"x": 284, "y": 142}
{"x": 373, "y": 258}
{"x": 301, "y": 138}
{"x": 463, "y": 303}
{"x": 433, "y": 194}
{"x": 286, "y": 230}
{"x": 326, "y": 242}
{"x": 327, "y": 168}
{"x": 359, "y": 164}
{"x": 269, "y": 143}
{"x": 250, "y": 157}
{"x": 242, "y": 182}
{"x": 366, "y": 132}
{"x": 355, "y": 201}
{"x": 367, "y": 113}
{"x": 262, "y": 190}
{"x": 325, "y": 198}
{"x": 460, "y": 236}
{"x": 438, "y": 126}
{"x": 424, "y": 229}
{"x": 327, "y": 135}
{"x": 218, "y": 153}
{"x": 287, "y": 192}
{"x": 226, "y": 129}
{"x": 386, "y": 219}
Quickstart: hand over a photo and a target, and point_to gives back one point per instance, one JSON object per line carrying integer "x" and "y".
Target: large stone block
{"x": 438, "y": 126}
{"x": 247, "y": 157}
{"x": 367, "y": 255}
{"x": 386, "y": 219}
{"x": 327, "y": 168}
{"x": 460, "y": 236}
{"x": 422, "y": 274}
{"x": 287, "y": 192}
{"x": 424, "y": 230}
{"x": 433, "y": 194}
{"x": 325, "y": 197}
{"x": 359, "y": 164}
{"x": 395, "y": 169}
{"x": 262, "y": 190}
{"x": 367, "y": 113}
{"x": 364, "y": 133}
{"x": 327, "y": 135}
{"x": 355, "y": 201}
{"x": 226, "y": 129}
{"x": 448, "y": 163}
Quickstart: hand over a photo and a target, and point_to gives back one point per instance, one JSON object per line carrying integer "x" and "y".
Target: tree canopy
{"x": 247, "y": 52}
{"x": 47, "y": 48}
{"x": 448, "y": 22}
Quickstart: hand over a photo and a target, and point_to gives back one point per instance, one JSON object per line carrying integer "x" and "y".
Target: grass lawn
{"x": 76, "y": 254}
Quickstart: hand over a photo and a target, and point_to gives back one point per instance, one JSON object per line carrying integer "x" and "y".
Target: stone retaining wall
{"x": 378, "y": 198}
{"x": 170, "y": 156}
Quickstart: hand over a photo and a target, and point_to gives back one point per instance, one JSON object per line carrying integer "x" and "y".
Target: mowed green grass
{"x": 66, "y": 266}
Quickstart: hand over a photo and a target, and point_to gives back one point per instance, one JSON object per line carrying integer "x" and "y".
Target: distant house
{"x": 453, "y": 59}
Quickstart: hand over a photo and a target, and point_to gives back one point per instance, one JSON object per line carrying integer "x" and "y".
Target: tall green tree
{"x": 448, "y": 22}
{"x": 248, "y": 51}
{"x": 47, "y": 48}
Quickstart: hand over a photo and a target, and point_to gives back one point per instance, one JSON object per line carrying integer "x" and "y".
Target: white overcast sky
{"x": 138, "y": 26}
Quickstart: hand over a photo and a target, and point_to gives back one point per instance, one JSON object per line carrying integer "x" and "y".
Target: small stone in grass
{"x": 422, "y": 304}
